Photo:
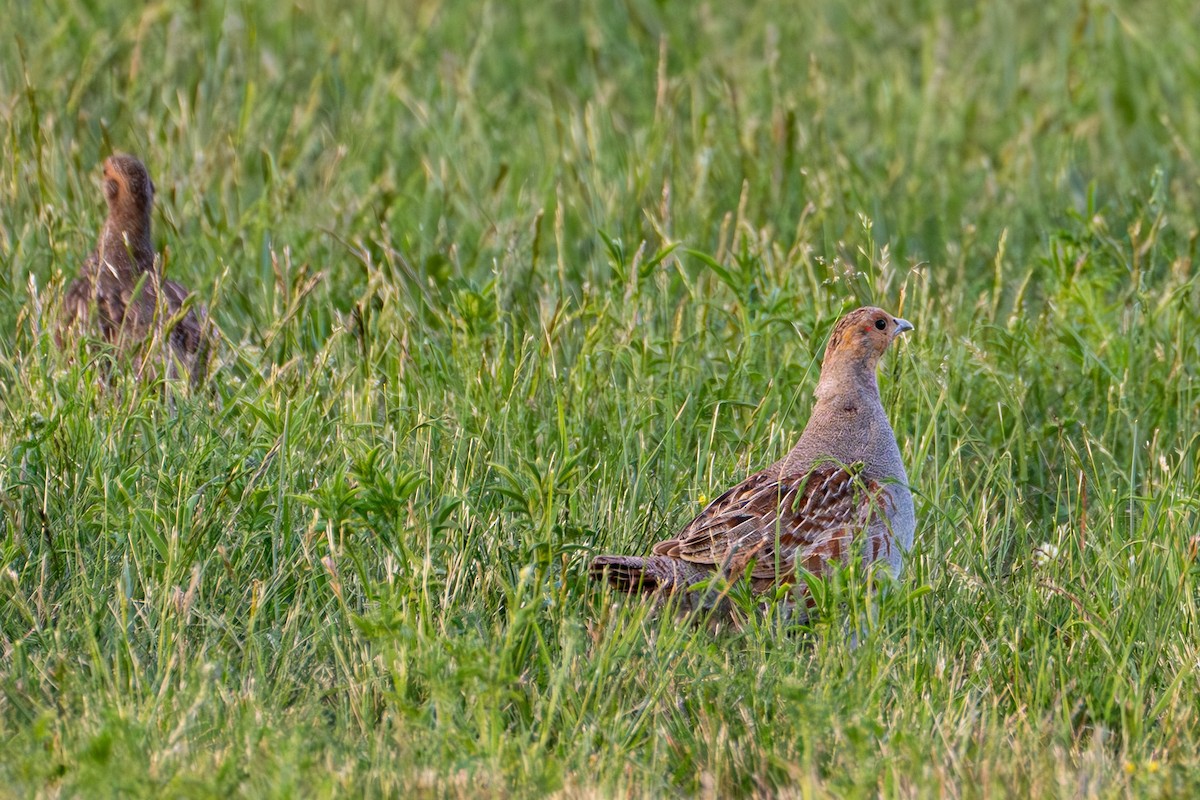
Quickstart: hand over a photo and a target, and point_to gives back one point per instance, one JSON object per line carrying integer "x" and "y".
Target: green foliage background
{"x": 504, "y": 285}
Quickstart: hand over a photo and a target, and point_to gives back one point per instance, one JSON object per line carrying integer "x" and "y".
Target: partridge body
{"x": 843, "y": 480}
{"x": 120, "y": 286}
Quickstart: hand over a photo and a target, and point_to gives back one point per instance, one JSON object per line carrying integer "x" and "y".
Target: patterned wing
{"x": 784, "y": 519}
{"x": 75, "y": 312}
{"x": 188, "y": 336}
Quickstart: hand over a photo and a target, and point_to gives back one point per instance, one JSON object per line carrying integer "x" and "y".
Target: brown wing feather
{"x": 781, "y": 519}
{"x": 125, "y": 311}
{"x": 76, "y": 310}
{"x": 188, "y": 337}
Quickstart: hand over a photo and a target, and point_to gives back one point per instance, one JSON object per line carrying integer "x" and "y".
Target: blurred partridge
{"x": 843, "y": 481}
{"x": 107, "y": 293}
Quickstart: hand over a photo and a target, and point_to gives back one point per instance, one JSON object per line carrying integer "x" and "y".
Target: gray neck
{"x": 850, "y": 378}
{"x": 849, "y": 425}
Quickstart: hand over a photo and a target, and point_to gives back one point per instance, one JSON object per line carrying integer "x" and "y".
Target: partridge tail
{"x": 636, "y": 575}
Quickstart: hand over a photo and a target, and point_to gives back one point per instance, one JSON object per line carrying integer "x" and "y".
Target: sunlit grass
{"x": 501, "y": 288}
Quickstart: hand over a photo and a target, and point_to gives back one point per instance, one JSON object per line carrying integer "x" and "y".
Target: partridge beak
{"x": 902, "y": 325}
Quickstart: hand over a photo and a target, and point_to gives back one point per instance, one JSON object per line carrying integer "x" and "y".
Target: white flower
{"x": 1045, "y": 553}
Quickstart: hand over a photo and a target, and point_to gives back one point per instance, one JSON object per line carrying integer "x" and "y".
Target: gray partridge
{"x": 843, "y": 480}
{"x": 120, "y": 285}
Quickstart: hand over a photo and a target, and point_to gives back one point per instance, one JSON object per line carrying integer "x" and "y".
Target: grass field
{"x": 502, "y": 286}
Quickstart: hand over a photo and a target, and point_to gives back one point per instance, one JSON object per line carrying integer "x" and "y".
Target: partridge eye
{"x": 881, "y": 324}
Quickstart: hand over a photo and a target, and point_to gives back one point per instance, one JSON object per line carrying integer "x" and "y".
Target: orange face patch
{"x": 113, "y": 180}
